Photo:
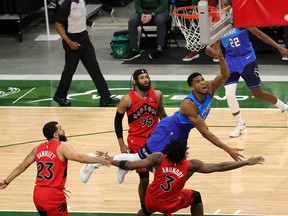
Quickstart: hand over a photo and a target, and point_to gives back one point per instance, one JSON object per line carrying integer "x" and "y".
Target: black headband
{"x": 138, "y": 72}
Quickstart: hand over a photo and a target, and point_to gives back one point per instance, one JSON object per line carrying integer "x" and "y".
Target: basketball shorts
{"x": 50, "y": 201}
{"x": 250, "y": 75}
{"x": 135, "y": 143}
{"x": 183, "y": 200}
{"x": 167, "y": 129}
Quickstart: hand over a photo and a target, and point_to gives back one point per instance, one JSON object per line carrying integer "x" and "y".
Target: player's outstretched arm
{"x": 215, "y": 52}
{"x": 266, "y": 39}
{"x": 152, "y": 160}
{"x": 30, "y": 158}
{"x": 201, "y": 167}
{"x": 69, "y": 153}
{"x": 190, "y": 109}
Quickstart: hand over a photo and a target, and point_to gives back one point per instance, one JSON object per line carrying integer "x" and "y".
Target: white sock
{"x": 130, "y": 157}
{"x": 238, "y": 119}
{"x": 281, "y": 105}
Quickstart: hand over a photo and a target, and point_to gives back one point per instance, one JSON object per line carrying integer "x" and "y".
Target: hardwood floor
{"x": 261, "y": 189}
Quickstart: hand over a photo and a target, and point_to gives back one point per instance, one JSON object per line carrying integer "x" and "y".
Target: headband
{"x": 138, "y": 72}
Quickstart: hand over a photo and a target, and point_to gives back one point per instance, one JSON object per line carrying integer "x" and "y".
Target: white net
{"x": 190, "y": 29}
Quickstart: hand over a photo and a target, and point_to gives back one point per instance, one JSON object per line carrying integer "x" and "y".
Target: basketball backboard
{"x": 214, "y": 24}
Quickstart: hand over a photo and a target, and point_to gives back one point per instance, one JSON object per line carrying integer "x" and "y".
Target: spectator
{"x": 71, "y": 26}
{"x": 147, "y": 11}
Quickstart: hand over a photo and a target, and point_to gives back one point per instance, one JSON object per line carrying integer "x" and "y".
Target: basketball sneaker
{"x": 87, "y": 169}
{"x": 121, "y": 175}
{"x": 190, "y": 56}
{"x": 239, "y": 130}
{"x": 133, "y": 54}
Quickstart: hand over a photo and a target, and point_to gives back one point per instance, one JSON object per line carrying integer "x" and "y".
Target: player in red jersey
{"x": 172, "y": 170}
{"x": 52, "y": 159}
{"x": 144, "y": 108}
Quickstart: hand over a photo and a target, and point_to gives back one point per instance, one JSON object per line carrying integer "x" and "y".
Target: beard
{"x": 62, "y": 138}
{"x": 142, "y": 87}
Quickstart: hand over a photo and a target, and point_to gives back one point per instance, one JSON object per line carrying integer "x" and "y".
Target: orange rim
{"x": 213, "y": 12}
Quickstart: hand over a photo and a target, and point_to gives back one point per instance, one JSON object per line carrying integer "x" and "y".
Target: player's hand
{"x": 124, "y": 149}
{"x": 214, "y": 50}
{"x": 104, "y": 159}
{"x": 3, "y": 185}
{"x": 255, "y": 160}
{"x": 234, "y": 153}
{"x": 283, "y": 51}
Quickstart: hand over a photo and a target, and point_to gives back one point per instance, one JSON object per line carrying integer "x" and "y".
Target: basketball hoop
{"x": 187, "y": 19}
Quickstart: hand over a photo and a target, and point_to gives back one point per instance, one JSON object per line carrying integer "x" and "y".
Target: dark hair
{"x": 191, "y": 77}
{"x": 49, "y": 129}
{"x": 176, "y": 150}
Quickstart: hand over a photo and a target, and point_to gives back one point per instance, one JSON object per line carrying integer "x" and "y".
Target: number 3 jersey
{"x": 143, "y": 114}
{"x": 239, "y": 50}
{"x": 169, "y": 180}
{"x": 51, "y": 171}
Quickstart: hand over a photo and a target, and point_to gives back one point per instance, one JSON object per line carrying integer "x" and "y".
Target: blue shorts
{"x": 167, "y": 129}
{"x": 250, "y": 75}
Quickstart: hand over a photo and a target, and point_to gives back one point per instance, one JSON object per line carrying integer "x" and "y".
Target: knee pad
{"x": 230, "y": 92}
{"x": 197, "y": 197}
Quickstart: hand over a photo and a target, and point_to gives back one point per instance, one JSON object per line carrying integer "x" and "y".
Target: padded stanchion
{"x": 255, "y": 13}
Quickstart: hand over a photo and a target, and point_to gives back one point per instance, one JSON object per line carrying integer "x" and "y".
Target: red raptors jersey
{"x": 143, "y": 114}
{"x": 169, "y": 180}
{"x": 51, "y": 171}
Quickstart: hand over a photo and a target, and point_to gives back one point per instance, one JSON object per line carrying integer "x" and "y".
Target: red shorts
{"x": 183, "y": 200}
{"x": 51, "y": 201}
{"x": 135, "y": 143}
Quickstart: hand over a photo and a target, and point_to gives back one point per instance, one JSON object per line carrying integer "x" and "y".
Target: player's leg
{"x": 143, "y": 185}
{"x": 124, "y": 156}
{"x": 252, "y": 79}
{"x": 196, "y": 207}
{"x": 230, "y": 92}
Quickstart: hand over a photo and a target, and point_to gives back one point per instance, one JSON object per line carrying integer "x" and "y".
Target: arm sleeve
{"x": 118, "y": 124}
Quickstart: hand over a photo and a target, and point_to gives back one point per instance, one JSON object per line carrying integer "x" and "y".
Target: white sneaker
{"x": 239, "y": 130}
{"x": 86, "y": 170}
{"x": 121, "y": 175}
{"x": 284, "y": 58}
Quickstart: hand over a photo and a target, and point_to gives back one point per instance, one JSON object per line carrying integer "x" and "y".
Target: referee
{"x": 71, "y": 26}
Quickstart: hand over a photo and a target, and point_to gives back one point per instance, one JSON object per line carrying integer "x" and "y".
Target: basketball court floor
{"x": 29, "y": 74}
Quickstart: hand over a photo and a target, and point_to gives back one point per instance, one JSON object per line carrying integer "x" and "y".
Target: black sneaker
{"x": 62, "y": 101}
{"x": 110, "y": 101}
{"x": 155, "y": 54}
{"x": 132, "y": 55}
